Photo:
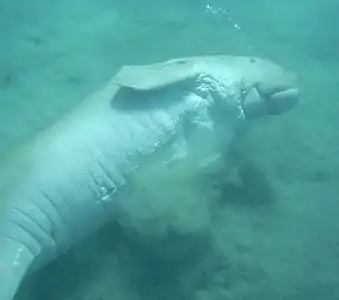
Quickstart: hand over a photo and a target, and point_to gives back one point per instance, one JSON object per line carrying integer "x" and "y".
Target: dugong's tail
{"x": 15, "y": 260}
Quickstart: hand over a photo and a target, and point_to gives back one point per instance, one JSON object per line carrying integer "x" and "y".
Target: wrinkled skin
{"x": 67, "y": 182}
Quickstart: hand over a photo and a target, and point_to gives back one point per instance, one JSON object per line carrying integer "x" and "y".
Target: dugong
{"x": 66, "y": 183}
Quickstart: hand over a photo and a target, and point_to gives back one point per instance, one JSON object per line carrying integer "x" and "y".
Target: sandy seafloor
{"x": 274, "y": 237}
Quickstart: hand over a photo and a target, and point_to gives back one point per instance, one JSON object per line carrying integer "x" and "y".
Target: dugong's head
{"x": 269, "y": 89}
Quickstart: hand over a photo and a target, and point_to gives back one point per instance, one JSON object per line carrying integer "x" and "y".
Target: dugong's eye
{"x": 181, "y": 62}
{"x": 252, "y": 60}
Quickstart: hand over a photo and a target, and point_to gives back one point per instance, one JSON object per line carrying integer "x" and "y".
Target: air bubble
{"x": 216, "y": 10}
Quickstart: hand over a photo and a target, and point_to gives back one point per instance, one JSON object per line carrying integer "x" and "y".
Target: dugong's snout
{"x": 283, "y": 101}
{"x": 273, "y": 90}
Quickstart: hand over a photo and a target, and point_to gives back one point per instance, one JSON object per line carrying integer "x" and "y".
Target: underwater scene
{"x": 161, "y": 150}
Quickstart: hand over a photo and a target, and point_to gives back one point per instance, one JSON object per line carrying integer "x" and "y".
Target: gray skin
{"x": 69, "y": 180}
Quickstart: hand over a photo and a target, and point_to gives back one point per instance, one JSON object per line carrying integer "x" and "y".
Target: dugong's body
{"x": 66, "y": 183}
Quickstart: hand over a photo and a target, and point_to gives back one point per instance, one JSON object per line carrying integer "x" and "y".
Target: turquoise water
{"x": 275, "y": 236}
